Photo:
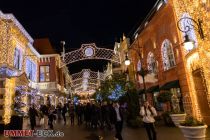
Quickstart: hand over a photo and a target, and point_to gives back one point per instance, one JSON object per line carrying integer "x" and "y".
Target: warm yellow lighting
{"x": 127, "y": 62}
{"x": 8, "y": 102}
{"x": 189, "y": 45}
{"x": 200, "y": 57}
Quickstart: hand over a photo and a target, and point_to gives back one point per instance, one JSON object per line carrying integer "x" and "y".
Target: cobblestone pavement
{"x": 82, "y": 133}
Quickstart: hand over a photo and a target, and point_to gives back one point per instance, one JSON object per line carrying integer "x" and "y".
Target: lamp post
{"x": 142, "y": 72}
{"x": 63, "y": 53}
{"x": 188, "y": 26}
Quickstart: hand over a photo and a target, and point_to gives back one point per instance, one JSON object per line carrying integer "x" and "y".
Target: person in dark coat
{"x": 87, "y": 114}
{"x": 71, "y": 113}
{"x": 118, "y": 120}
{"x": 79, "y": 111}
{"x": 44, "y": 109}
{"x": 32, "y": 115}
{"x": 105, "y": 116}
{"x": 64, "y": 110}
{"x": 51, "y": 116}
{"x": 59, "y": 110}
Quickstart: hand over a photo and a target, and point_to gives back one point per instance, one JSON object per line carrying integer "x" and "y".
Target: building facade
{"x": 157, "y": 45}
{"x": 26, "y": 75}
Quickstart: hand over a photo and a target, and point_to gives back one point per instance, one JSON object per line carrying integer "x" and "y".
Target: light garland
{"x": 8, "y": 101}
{"x": 197, "y": 9}
{"x": 16, "y": 23}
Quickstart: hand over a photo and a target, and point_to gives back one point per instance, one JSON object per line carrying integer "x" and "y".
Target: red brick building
{"x": 157, "y": 46}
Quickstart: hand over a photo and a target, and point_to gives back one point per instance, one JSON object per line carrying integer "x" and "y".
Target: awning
{"x": 169, "y": 85}
{"x": 153, "y": 89}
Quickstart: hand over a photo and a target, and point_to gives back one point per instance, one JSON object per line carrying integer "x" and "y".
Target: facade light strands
{"x": 190, "y": 24}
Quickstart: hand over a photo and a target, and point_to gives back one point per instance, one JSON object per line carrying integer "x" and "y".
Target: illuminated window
{"x": 44, "y": 74}
{"x": 167, "y": 55}
{"x": 151, "y": 63}
{"x": 18, "y": 58}
{"x": 31, "y": 70}
{"x": 139, "y": 66}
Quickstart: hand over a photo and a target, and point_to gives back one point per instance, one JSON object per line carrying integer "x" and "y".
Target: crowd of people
{"x": 92, "y": 115}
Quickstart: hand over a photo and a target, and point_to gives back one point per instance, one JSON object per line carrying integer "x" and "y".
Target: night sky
{"x": 79, "y": 21}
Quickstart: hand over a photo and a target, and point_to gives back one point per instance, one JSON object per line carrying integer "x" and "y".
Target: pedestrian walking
{"x": 118, "y": 120}
{"x": 32, "y": 115}
{"x": 44, "y": 109}
{"x": 148, "y": 112}
{"x": 71, "y": 113}
{"x": 51, "y": 116}
{"x": 59, "y": 110}
{"x": 79, "y": 112}
{"x": 64, "y": 110}
{"x": 105, "y": 116}
{"x": 87, "y": 114}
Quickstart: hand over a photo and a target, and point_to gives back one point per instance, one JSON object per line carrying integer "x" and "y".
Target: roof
{"x": 43, "y": 46}
{"x": 148, "y": 18}
{"x": 17, "y": 23}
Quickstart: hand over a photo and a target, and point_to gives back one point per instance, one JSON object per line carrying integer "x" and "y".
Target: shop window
{"x": 44, "y": 74}
{"x": 18, "y": 58}
{"x": 31, "y": 70}
{"x": 167, "y": 55}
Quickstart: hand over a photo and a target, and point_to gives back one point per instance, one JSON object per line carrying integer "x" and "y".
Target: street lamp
{"x": 127, "y": 61}
{"x": 63, "y": 53}
{"x": 188, "y": 26}
{"x": 143, "y": 72}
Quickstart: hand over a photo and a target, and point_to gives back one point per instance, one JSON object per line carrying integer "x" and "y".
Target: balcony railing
{"x": 45, "y": 86}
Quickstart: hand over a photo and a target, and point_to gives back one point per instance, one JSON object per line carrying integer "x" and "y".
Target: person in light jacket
{"x": 148, "y": 112}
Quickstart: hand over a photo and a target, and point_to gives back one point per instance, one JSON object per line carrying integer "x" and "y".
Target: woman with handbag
{"x": 148, "y": 112}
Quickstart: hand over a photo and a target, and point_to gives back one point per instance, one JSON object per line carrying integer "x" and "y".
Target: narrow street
{"x": 82, "y": 133}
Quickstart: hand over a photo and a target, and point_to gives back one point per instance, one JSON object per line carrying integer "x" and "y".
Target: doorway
{"x": 201, "y": 96}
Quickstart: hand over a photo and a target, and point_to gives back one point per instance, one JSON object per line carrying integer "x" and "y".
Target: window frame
{"x": 45, "y": 73}
{"x": 167, "y": 51}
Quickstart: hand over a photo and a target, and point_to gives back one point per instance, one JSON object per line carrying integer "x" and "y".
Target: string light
{"x": 200, "y": 57}
{"x": 8, "y": 101}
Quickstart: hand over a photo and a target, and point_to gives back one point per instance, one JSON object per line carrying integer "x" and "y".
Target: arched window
{"x": 167, "y": 55}
{"x": 139, "y": 66}
{"x": 151, "y": 63}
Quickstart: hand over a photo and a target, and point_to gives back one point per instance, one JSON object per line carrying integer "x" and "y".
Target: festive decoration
{"x": 23, "y": 98}
{"x": 197, "y": 58}
{"x": 86, "y": 79}
{"x": 167, "y": 55}
{"x": 116, "y": 93}
{"x": 151, "y": 63}
{"x": 8, "y": 101}
{"x": 16, "y": 23}
{"x": 90, "y": 51}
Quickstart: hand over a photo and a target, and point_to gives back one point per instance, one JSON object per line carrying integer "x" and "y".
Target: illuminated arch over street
{"x": 89, "y": 51}
{"x": 86, "y": 81}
